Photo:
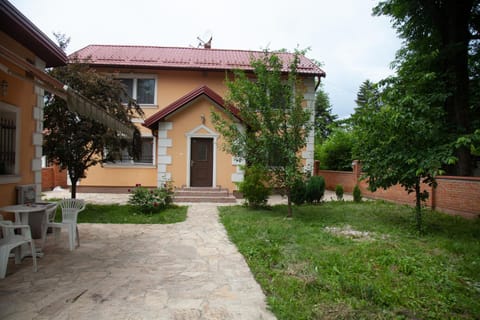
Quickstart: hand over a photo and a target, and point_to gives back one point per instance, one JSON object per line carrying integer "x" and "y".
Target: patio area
{"x": 188, "y": 270}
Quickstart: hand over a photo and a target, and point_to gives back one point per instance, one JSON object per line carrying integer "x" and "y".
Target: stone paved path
{"x": 188, "y": 270}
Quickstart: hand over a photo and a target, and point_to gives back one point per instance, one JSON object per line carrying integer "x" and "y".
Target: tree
{"x": 367, "y": 96}
{"x": 275, "y": 122}
{"x": 76, "y": 142}
{"x": 324, "y": 119}
{"x": 442, "y": 41}
{"x": 400, "y": 141}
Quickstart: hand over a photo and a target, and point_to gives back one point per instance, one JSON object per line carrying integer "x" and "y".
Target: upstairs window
{"x": 142, "y": 89}
{"x": 9, "y": 140}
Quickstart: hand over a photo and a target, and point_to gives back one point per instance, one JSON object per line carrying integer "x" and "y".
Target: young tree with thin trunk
{"x": 398, "y": 139}
{"x": 275, "y": 123}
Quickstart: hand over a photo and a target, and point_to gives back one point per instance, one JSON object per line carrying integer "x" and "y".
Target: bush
{"x": 339, "y": 191}
{"x": 150, "y": 201}
{"x": 315, "y": 189}
{"x": 298, "y": 192}
{"x": 254, "y": 187}
{"x": 336, "y": 152}
{"x": 357, "y": 194}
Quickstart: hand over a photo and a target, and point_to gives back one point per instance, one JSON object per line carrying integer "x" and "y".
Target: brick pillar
{"x": 357, "y": 170}
{"x": 316, "y": 167}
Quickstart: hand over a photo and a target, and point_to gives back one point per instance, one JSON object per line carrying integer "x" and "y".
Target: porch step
{"x": 197, "y": 194}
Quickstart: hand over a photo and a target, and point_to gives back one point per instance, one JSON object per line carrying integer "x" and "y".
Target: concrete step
{"x": 197, "y": 194}
{"x": 229, "y": 199}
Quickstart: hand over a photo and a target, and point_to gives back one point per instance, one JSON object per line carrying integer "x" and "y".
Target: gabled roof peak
{"x": 186, "y": 99}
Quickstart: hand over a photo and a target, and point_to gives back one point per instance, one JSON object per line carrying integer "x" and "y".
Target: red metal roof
{"x": 182, "y": 58}
{"x": 186, "y": 99}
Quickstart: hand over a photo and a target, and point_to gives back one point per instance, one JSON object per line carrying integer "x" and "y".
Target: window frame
{"x": 135, "y": 78}
{"x": 131, "y": 163}
{"x": 13, "y": 177}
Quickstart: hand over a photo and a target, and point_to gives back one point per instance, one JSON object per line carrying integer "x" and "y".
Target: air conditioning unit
{"x": 26, "y": 194}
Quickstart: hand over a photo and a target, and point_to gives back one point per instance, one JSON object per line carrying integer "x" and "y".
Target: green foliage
{"x": 368, "y": 98}
{"x": 77, "y": 142}
{"x": 315, "y": 189}
{"x": 298, "y": 192}
{"x": 324, "y": 119}
{"x": 402, "y": 141}
{"x": 357, "y": 194}
{"x": 255, "y": 187}
{"x": 336, "y": 152}
{"x": 151, "y": 200}
{"x": 314, "y": 267}
{"x": 339, "y": 192}
{"x": 275, "y": 124}
{"x": 439, "y": 64}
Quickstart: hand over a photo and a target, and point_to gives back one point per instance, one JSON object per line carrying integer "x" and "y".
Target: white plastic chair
{"x": 70, "y": 210}
{"x": 11, "y": 240}
{"x": 50, "y": 213}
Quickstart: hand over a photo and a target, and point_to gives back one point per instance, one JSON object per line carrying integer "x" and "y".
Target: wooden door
{"x": 201, "y": 162}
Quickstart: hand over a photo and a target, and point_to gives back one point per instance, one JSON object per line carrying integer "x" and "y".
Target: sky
{"x": 351, "y": 44}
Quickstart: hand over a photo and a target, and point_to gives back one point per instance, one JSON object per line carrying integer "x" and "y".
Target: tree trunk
{"x": 289, "y": 201}
{"x": 418, "y": 206}
{"x": 74, "y": 187}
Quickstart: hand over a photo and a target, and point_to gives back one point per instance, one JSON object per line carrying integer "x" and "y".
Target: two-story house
{"x": 178, "y": 88}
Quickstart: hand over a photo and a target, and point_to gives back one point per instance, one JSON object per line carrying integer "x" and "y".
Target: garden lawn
{"x": 95, "y": 213}
{"x": 342, "y": 260}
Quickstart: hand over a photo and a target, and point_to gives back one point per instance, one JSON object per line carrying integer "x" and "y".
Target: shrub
{"x": 315, "y": 189}
{"x": 254, "y": 187}
{"x": 336, "y": 152}
{"x": 298, "y": 192}
{"x": 357, "y": 194}
{"x": 151, "y": 201}
{"x": 339, "y": 191}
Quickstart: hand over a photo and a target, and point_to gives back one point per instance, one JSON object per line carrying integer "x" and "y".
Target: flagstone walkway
{"x": 181, "y": 271}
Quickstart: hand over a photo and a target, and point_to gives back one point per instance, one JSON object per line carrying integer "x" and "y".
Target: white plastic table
{"x": 22, "y": 213}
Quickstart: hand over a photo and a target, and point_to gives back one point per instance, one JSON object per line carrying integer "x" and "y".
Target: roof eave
{"x": 20, "y": 28}
{"x": 319, "y": 73}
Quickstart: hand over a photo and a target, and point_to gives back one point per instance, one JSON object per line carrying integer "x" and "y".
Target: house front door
{"x": 201, "y": 162}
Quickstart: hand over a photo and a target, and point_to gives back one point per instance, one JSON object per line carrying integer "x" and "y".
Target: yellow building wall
{"x": 171, "y": 85}
{"x": 20, "y": 94}
{"x": 186, "y": 121}
{"x": 120, "y": 176}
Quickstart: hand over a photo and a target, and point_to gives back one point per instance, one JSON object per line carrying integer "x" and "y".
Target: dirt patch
{"x": 347, "y": 232}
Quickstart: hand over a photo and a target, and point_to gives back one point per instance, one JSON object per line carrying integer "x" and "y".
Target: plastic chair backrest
{"x": 51, "y": 211}
{"x": 71, "y": 208}
{"x": 6, "y": 233}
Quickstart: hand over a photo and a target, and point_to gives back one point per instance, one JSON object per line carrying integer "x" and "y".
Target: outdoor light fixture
{"x": 3, "y": 88}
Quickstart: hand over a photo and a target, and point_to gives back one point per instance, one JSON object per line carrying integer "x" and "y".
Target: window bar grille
{"x": 7, "y": 146}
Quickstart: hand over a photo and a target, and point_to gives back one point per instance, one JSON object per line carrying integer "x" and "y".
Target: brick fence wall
{"x": 52, "y": 177}
{"x": 454, "y": 195}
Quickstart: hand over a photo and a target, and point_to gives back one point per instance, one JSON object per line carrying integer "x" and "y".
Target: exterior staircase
{"x": 203, "y": 194}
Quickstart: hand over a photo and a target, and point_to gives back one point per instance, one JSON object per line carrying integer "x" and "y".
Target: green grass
{"x": 114, "y": 213}
{"x": 308, "y": 272}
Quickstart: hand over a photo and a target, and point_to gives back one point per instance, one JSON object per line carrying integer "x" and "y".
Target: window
{"x": 145, "y": 157}
{"x": 9, "y": 140}
{"x": 275, "y": 156}
{"x": 141, "y": 89}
